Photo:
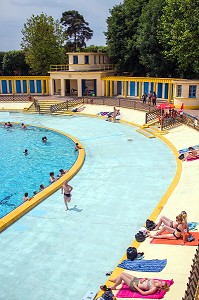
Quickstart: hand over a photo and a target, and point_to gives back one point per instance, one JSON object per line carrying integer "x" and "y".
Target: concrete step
{"x": 146, "y": 133}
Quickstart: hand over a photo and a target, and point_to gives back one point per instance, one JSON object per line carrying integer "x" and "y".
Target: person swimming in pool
{"x": 66, "y": 190}
{"x": 26, "y": 152}
{"x": 144, "y": 286}
{"x": 23, "y": 126}
{"x": 41, "y": 187}
{"x": 52, "y": 177}
{"x": 174, "y": 234}
{"x": 26, "y": 197}
{"x": 62, "y": 172}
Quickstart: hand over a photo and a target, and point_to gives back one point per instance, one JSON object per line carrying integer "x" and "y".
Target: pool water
{"x": 60, "y": 255}
{"x": 22, "y": 173}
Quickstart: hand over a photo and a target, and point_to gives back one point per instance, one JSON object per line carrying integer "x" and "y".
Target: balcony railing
{"x": 81, "y": 67}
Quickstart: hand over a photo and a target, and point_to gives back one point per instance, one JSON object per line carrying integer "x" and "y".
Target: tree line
{"x": 155, "y": 37}
{"x": 45, "y": 42}
{"x": 144, "y": 38}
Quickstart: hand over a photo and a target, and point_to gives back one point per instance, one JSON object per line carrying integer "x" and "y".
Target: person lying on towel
{"x": 191, "y": 154}
{"x": 173, "y": 233}
{"x": 144, "y": 286}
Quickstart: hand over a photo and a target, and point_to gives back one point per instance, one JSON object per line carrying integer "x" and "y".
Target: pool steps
{"x": 151, "y": 131}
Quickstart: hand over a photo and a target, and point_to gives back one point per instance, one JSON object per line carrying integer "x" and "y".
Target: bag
{"x": 108, "y": 295}
{"x": 140, "y": 237}
{"x": 150, "y": 225}
{"x": 131, "y": 253}
{"x": 190, "y": 238}
{"x": 181, "y": 156}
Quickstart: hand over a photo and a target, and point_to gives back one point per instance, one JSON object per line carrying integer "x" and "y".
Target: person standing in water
{"x": 66, "y": 190}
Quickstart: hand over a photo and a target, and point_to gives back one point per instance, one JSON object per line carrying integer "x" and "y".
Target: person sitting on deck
{"x": 174, "y": 234}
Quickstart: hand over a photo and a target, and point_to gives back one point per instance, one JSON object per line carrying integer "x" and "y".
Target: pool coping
{"x": 25, "y": 207}
{"x": 163, "y": 200}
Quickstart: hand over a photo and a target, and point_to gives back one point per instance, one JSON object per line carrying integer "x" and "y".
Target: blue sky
{"x": 14, "y": 14}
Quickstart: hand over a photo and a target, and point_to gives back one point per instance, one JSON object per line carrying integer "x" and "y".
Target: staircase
{"x": 44, "y": 106}
{"x": 151, "y": 131}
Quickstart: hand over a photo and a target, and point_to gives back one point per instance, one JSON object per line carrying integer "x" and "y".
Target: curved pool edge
{"x": 117, "y": 271}
{"x": 24, "y": 208}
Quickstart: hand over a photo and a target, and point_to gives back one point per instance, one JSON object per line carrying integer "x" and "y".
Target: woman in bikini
{"x": 174, "y": 234}
{"x": 168, "y": 222}
{"x": 143, "y": 286}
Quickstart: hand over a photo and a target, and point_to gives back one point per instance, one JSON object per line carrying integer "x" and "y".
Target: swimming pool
{"x": 65, "y": 254}
{"x": 22, "y": 173}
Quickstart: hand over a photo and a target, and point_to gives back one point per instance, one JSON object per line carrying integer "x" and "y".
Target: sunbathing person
{"x": 144, "y": 286}
{"x": 168, "y": 222}
{"x": 191, "y": 154}
{"x": 173, "y": 234}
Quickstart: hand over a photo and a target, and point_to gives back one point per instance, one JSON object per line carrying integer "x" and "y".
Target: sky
{"x": 14, "y": 14}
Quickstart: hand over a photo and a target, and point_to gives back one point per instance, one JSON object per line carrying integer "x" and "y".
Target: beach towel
{"x": 182, "y": 151}
{"x": 144, "y": 265}
{"x": 104, "y": 113}
{"x": 125, "y": 292}
{"x": 177, "y": 242}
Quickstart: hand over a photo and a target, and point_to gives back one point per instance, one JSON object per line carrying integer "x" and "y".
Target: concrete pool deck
{"x": 184, "y": 197}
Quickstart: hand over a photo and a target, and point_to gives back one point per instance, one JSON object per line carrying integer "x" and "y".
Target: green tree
{"x": 1, "y": 62}
{"x": 77, "y": 30}
{"x": 93, "y": 48}
{"x": 115, "y": 35}
{"x": 122, "y": 33}
{"x": 42, "y": 43}
{"x": 150, "y": 50}
{"x": 178, "y": 33}
{"x": 14, "y": 63}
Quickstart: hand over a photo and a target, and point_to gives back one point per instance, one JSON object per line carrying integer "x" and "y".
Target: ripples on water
{"x": 21, "y": 173}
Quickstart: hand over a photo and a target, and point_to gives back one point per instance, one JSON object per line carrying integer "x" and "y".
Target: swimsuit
{"x": 136, "y": 280}
{"x": 67, "y": 195}
{"x": 177, "y": 237}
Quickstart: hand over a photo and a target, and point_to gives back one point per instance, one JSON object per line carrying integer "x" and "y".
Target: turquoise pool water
{"x": 21, "y": 173}
{"x": 53, "y": 254}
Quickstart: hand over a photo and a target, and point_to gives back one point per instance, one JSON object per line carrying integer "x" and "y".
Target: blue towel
{"x": 143, "y": 265}
{"x": 192, "y": 225}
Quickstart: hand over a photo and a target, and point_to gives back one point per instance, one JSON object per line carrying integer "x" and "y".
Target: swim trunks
{"x": 67, "y": 195}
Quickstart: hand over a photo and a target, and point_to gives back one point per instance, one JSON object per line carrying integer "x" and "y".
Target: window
{"x": 179, "y": 91}
{"x": 192, "y": 91}
{"x": 86, "y": 59}
{"x": 95, "y": 59}
{"x": 99, "y": 59}
{"x": 75, "y": 59}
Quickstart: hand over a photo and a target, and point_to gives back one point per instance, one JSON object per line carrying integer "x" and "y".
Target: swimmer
{"x": 62, "y": 172}
{"x": 9, "y": 124}
{"x": 52, "y": 177}
{"x": 26, "y": 198}
{"x": 26, "y": 152}
{"x": 23, "y": 126}
{"x": 44, "y": 139}
{"x": 41, "y": 187}
{"x": 77, "y": 147}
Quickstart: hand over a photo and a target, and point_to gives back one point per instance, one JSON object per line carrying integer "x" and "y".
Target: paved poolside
{"x": 183, "y": 198}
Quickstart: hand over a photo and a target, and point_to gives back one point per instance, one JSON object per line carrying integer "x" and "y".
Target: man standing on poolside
{"x": 66, "y": 189}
